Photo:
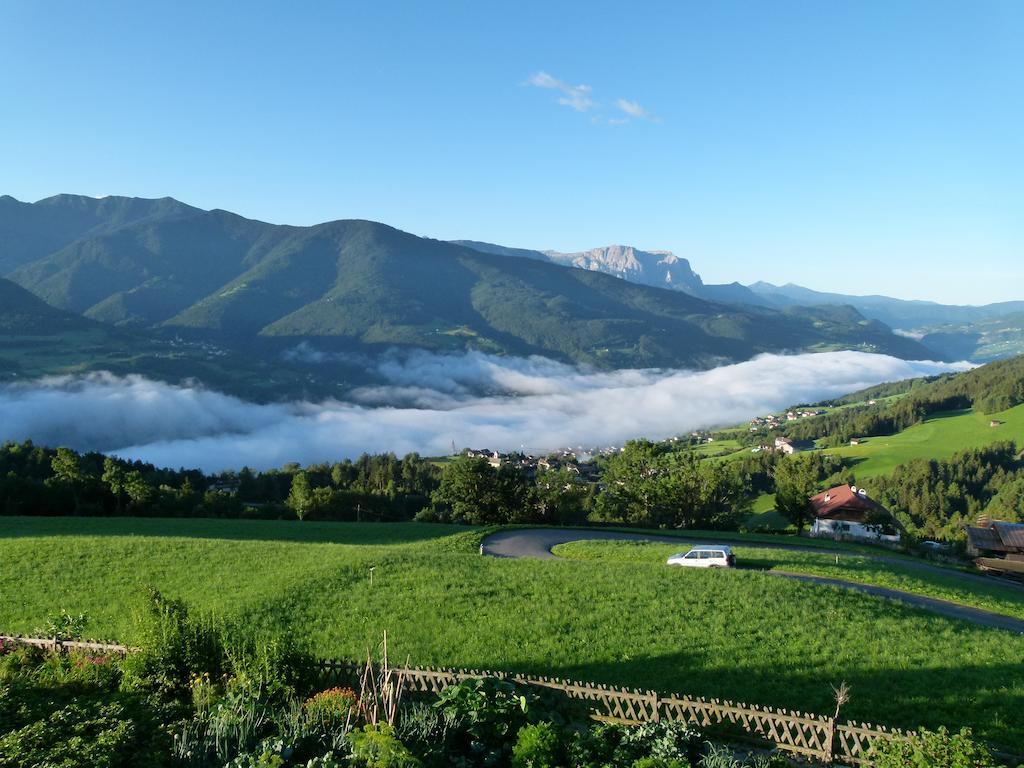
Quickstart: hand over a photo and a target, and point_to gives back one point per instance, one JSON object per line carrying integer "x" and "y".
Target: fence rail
{"x": 817, "y": 737}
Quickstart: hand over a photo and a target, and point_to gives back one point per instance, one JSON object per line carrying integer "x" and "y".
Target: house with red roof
{"x": 847, "y": 511}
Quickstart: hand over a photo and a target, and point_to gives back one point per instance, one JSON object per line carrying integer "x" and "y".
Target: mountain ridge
{"x": 163, "y": 266}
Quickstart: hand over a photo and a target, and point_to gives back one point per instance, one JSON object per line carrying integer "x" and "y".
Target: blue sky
{"x": 856, "y": 146}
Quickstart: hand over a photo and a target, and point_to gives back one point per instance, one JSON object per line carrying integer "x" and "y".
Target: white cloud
{"x": 574, "y": 96}
{"x": 633, "y": 109}
{"x": 428, "y": 402}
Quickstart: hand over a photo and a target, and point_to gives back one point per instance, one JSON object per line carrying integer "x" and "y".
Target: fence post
{"x": 829, "y": 751}
{"x": 655, "y": 707}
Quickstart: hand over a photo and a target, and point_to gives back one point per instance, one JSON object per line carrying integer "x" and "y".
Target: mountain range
{"x": 152, "y": 270}
{"x": 978, "y": 333}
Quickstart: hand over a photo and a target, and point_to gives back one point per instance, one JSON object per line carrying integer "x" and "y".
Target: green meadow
{"x": 905, "y": 575}
{"x": 939, "y": 438}
{"x": 742, "y": 635}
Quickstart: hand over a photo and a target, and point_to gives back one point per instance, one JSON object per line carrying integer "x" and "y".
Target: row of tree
{"x": 42, "y": 481}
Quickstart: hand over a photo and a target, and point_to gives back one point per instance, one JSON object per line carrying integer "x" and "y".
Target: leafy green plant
{"x": 659, "y": 762}
{"x": 666, "y": 740}
{"x": 63, "y": 626}
{"x": 174, "y": 647}
{"x": 80, "y": 735}
{"x": 538, "y": 746}
{"x": 376, "y": 746}
{"x": 487, "y": 714}
{"x": 333, "y": 707}
{"x": 932, "y": 749}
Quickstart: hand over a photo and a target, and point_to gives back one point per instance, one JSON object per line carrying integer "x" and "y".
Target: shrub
{"x": 659, "y": 762}
{"x": 331, "y": 708}
{"x": 271, "y": 670}
{"x": 376, "y": 746}
{"x": 666, "y": 743}
{"x": 932, "y": 749}
{"x": 174, "y": 647}
{"x": 80, "y": 735}
{"x": 667, "y": 740}
{"x": 538, "y": 746}
{"x": 63, "y": 626}
{"x": 486, "y": 715}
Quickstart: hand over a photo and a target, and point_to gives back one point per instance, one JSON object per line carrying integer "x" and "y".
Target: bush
{"x": 376, "y": 746}
{"x": 174, "y": 648}
{"x": 932, "y": 749}
{"x": 659, "y": 762}
{"x": 667, "y": 740}
{"x": 80, "y": 735}
{"x": 487, "y": 713}
{"x": 331, "y": 708}
{"x": 538, "y": 746}
{"x": 63, "y": 626}
{"x": 666, "y": 743}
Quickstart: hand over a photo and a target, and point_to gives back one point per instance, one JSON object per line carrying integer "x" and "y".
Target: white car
{"x": 705, "y": 557}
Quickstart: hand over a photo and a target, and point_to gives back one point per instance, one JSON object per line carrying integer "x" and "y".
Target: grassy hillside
{"x": 742, "y": 635}
{"x": 939, "y": 437}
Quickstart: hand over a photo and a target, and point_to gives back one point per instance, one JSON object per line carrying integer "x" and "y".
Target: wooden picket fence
{"x": 818, "y": 738}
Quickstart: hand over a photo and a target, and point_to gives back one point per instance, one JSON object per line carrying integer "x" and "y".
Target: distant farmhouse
{"x": 789, "y": 447}
{"x": 846, "y": 511}
{"x": 997, "y": 546}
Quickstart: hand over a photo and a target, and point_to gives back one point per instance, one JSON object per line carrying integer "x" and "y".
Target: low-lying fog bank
{"x": 429, "y": 402}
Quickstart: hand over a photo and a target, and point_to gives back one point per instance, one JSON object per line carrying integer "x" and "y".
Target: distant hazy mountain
{"x": 659, "y": 269}
{"x": 159, "y": 264}
{"x": 896, "y": 313}
{"x": 982, "y": 341}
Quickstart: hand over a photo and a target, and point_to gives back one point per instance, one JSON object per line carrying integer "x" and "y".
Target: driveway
{"x": 536, "y": 543}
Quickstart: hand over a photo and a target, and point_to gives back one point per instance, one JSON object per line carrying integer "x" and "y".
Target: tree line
{"x": 36, "y": 480}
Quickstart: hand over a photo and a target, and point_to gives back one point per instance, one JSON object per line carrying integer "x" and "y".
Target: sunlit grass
{"x": 741, "y": 635}
{"x": 1004, "y": 599}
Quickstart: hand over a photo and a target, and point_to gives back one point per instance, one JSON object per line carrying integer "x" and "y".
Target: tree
{"x": 478, "y": 493}
{"x": 114, "y": 477}
{"x": 636, "y": 490}
{"x": 67, "y": 470}
{"x": 796, "y": 480}
{"x": 559, "y": 497}
{"x": 649, "y": 484}
{"x": 138, "y": 490}
{"x": 300, "y": 498}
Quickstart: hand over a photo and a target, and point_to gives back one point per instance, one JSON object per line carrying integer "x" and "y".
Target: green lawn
{"x": 937, "y": 438}
{"x": 947, "y": 585}
{"x": 741, "y": 634}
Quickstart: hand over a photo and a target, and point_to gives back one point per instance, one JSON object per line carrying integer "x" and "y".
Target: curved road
{"x": 537, "y": 543}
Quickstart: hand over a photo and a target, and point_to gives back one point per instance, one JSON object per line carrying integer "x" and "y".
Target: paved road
{"x": 537, "y": 543}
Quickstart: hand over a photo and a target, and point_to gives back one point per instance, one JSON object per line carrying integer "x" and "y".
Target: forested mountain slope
{"x": 159, "y": 264}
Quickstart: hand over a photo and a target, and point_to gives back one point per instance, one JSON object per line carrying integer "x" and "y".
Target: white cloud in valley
{"x": 428, "y": 401}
